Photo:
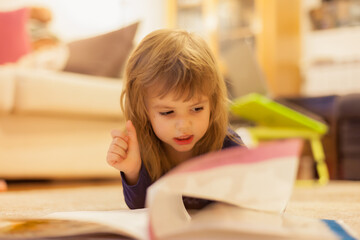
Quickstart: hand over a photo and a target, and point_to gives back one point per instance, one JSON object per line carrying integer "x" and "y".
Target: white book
{"x": 250, "y": 189}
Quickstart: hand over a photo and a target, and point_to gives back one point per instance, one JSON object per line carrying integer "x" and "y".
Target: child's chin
{"x": 184, "y": 148}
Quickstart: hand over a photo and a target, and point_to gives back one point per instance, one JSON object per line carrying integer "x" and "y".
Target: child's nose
{"x": 183, "y": 124}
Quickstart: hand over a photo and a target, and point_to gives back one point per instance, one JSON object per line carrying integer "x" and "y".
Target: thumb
{"x": 131, "y": 131}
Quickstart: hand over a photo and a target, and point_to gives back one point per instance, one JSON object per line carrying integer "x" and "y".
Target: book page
{"x": 250, "y": 187}
{"x": 132, "y": 223}
{"x": 60, "y": 225}
{"x": 225, "y": 221}
{"x": 261, "y": 179}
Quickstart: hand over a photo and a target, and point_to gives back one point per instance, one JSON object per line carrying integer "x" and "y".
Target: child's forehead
{"x": 175, "y": 96}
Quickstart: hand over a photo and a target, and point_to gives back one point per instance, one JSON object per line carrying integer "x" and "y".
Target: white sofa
{"x": 56, "y": 125}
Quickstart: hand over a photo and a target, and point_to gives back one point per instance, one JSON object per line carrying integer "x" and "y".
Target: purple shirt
{"x": 135, "y": 194}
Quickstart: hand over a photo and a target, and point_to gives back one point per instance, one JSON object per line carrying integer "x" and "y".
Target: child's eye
{"x": 198, "y": 109}
{"x": 166, "y": 113}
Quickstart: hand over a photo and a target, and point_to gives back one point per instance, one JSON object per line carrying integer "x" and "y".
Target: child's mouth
{"x": 183, "y": 140}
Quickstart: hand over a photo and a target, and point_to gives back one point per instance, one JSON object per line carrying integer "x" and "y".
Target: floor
{"x": 34, "y": 199}
{"x": 338, "y": 200}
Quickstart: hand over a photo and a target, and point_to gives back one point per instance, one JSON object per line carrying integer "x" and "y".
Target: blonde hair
{"x": 179, "y": 62}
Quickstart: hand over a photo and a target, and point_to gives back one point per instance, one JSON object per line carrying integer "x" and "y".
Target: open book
{"x": 250, "y": 189}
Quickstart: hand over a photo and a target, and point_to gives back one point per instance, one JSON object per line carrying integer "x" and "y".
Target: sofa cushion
{"x": 14, "y": 40}
{"x": 103, "y": 55}
{"x": 42, "y": 147}
{"x": 7, "y": 86}
{"x": 50, "y": 58}
{"x": 52, "y": 92}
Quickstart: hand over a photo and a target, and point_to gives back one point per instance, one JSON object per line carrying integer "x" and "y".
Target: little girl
{"x": 175, "y": 101}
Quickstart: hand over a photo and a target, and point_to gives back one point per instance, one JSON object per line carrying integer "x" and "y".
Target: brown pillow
{"x": 102, "y": 55}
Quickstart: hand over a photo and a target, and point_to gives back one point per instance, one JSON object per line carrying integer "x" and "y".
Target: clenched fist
{"x": 124, "y": 153}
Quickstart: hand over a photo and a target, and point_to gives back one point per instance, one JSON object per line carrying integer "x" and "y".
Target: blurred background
{"x": 61, "y": 65}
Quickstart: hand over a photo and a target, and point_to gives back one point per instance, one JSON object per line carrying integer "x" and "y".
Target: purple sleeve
{"x": 135, "y": 194}
{"x": 228, "y": 142}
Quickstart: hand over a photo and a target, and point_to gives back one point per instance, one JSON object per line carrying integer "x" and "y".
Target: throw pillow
{"x": 103, "y": 55}
{"x": 14, "y": 40}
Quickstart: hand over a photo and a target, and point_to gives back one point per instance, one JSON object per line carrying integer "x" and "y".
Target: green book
{"x": 266, "y": 112}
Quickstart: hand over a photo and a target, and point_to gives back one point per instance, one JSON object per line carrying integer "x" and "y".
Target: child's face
{"x": 179, "y": 124}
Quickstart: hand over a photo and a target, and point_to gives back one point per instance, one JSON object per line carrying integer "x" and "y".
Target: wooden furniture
{"x": 347, "y": 123}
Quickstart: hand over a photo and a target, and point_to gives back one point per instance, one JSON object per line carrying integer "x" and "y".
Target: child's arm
{"x": 124, "y": 153}
{"x": 134, "y": 195}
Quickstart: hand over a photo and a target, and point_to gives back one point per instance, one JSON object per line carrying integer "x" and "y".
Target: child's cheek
{"x": 158, "y": 127}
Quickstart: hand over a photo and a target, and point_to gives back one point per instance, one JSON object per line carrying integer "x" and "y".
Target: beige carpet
{"x": 337, "y": 200}
{"x": 39, "y": 199}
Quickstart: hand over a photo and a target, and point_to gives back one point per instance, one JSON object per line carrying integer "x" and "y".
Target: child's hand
{"x": 124, "y": 153}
